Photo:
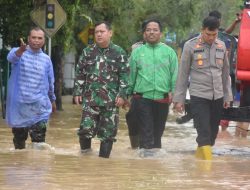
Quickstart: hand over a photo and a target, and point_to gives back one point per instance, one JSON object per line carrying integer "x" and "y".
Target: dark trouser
{"x": 133, "y": 128}
{"x": 206, "y": 116}
{"x": 151, "y": 117}
{"x": 131, "y": 119}
{"x": 37, "y": 134}
{"x": 245, "y": 96}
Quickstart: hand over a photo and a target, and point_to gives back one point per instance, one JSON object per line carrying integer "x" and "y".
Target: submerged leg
{"x": 105, "y": 149}
{"x": 20, "y": 136}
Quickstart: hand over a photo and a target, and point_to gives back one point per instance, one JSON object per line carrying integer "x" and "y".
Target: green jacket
{"x": 153, "y": 71}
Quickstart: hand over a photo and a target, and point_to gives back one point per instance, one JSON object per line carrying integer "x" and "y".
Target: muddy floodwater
{"x": 59, "y": 165}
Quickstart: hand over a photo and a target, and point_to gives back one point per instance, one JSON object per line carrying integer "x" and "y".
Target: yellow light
{"x": 50, "y": 16}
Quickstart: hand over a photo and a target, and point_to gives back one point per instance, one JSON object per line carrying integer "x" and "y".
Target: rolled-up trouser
{"x": 206, "y": 116}
{"x": 151, "y": 117}
{"x": 99, "y": 120}
{"x": 37, "y": 133}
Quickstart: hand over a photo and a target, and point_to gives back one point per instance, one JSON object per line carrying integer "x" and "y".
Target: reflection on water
{"x": 58, "y": 163}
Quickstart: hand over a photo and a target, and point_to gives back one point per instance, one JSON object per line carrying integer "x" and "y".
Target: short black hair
{"x": 215, "y": 13}
{"x": 146, "y": 22}
{"x": 211, "y": 22}
{"x": 143, "y": 25}
{"x": 107, "y": 24}
{"x": 36, "y": 28}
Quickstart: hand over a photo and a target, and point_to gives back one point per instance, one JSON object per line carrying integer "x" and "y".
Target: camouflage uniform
{"x": 101, "y": 76}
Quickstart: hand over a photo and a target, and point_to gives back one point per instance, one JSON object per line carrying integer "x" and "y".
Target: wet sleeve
{"x": 132, "y": 74}
{"x": 12, "y": 57}
{"x": 51, "y": 80}
{"x": 123, "y": 75}
{"x": 183, "y": 75}
{"x": 80, "y": 75}
{"x": 226, "y": 80}
{"x": 173, "y": 70}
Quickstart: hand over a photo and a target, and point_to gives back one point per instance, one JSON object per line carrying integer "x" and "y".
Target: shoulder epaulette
{"x": 193, "y": 39}
{"x": 219, "y": 43}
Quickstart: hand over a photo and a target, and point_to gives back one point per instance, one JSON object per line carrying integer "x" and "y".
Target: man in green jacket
{"x": 153, "y": 72}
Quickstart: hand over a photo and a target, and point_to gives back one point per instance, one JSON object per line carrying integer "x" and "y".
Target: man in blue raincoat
{"x": 30, "y": 97}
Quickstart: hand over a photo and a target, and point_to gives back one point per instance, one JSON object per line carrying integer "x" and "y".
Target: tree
{"x": 182, "y": 17}
{"x": 10, "y": 29}
{"x": 62, "y": 42}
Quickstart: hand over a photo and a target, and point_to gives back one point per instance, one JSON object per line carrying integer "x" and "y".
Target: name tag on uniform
{"x": 220, "y": 50}
{"x": 198, "y": 50}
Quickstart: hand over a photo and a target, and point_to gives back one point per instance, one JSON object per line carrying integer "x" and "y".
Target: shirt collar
{"x": 32, "y": 51}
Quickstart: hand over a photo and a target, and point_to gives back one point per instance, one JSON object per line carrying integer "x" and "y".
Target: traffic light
{"x": 50, "y": 16}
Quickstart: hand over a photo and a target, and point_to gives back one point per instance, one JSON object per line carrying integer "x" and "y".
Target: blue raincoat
{"x": 30, "y": 88}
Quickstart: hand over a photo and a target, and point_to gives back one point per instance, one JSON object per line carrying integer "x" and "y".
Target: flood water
{"x": 59, "y": 165}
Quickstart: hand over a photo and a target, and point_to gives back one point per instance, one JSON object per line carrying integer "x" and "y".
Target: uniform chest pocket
{"x": 89, "y": 65}
{"x": 200, "y": 60}
{"x": 112, "y": 67}
{"x": 219, "y": 59}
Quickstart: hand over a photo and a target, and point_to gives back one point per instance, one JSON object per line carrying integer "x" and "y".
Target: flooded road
{"x": 59, "y": 165}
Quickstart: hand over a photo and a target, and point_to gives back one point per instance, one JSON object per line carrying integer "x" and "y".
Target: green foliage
{"x": 227, "y": 8}
{"x": 182, "y": 17}
{"x": 65, "y": 37}
{"x": 15, "y": 20}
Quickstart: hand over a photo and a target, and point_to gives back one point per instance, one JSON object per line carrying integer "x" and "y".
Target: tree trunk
{"x": 56, "y": 57}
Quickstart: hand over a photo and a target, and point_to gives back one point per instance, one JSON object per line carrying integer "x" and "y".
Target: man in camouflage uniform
{"x": 100, "y": 84}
